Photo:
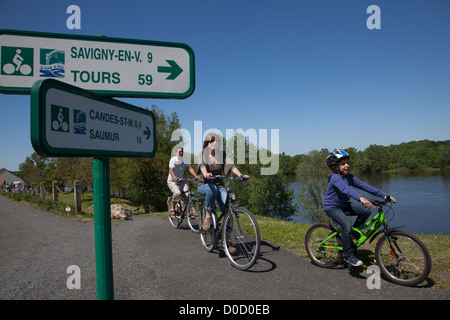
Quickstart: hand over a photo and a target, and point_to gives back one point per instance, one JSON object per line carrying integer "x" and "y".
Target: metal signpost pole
{"x": 102, "y": 224}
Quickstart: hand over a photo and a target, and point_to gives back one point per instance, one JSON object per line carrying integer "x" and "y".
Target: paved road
{"x": 154, "y": 261}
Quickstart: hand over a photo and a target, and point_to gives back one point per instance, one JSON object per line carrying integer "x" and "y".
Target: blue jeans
{"x": 211, "y": 194}
{"x": 341, "y": 217}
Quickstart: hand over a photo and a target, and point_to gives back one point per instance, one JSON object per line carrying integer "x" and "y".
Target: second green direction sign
{"x": 67, "y": 121}
{"x": 111, "y": 66}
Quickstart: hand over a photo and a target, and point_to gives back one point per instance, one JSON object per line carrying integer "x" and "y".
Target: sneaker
{"x": 354, "y": 261}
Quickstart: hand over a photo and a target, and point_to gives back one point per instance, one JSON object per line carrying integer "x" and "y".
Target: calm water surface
{"x": 423, "y": 200}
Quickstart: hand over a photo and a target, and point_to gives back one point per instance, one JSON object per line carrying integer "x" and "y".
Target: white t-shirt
{"x": 178, "y": 167}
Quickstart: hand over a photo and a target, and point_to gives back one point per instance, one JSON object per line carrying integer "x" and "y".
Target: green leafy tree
{"x": 444, "y": 157}
{"x": 120, "y": 176}
{"x": 36, "y": 169}
{"x": 312, "y": 174}
{"x": 69, "y": 169}
{"x": 266, "y": 195}
{"x": 378, "y": 158}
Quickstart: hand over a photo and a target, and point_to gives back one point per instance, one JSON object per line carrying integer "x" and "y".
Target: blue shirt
{"x": 339, "y": 190}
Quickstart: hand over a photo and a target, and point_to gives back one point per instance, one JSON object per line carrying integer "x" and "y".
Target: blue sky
{"x": 310, "y": 68}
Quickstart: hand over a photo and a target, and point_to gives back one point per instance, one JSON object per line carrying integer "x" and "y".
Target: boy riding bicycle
{"x": 337, "y": 204}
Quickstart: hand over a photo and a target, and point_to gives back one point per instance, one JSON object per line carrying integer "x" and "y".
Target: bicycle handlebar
{"x": 185, "y": 179}
{"x": 229, "y": 178}
{"x": 379, "y": 204}
{"x": 241, "y": 177}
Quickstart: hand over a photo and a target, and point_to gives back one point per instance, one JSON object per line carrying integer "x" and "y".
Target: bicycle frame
{"x": 236, "y": 228}
{"x": 188, "y": 193}
{"x": 377, "y": 221}
{"x": 181, "y": 211}
{"x": 228, "y": 206}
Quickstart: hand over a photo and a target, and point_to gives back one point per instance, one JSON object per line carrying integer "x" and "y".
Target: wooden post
{"x": 54, "y": 190}
{"x": 42, "y": 190}
{"x": 77, "y": 194}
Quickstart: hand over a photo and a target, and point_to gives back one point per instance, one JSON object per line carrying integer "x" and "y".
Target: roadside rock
{"x": 120, "y": 212}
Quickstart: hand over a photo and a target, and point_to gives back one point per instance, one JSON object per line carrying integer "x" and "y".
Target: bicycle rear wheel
{"x": 176, "y": 219}
{"x": 193, "y": 215}
{"x": 403, "y": 258}
{"x": 326, "y": 254}
{"x": 241, "y": 238}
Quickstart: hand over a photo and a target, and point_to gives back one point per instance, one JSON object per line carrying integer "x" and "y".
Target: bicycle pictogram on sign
{"x": 17, "y": 61}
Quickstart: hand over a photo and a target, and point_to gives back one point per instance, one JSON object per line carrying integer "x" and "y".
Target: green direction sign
{"x": 67, "y": 121}
{"x": 109, "y": 66}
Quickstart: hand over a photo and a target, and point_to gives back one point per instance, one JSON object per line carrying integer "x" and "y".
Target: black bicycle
{"x": 239, "y": 231}
{"x": 190, "y": 210}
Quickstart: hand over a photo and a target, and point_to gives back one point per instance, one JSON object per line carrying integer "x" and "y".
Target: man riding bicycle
{"x": 177, "y": 165}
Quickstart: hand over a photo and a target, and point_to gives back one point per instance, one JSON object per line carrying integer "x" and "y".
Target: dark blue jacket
{"x": 339, "y": 190}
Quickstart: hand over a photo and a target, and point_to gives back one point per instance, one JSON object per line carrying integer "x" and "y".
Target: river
{"x": 423, "y": 200}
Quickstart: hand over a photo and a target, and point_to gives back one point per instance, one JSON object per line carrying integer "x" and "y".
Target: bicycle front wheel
{"x": 208, "y": 237}
{"x": 175, "y": 217}
{"x": 193, "y": 215}
{"x": 403, "y": 258}
{"x": 323, "y": 248}
{"x": 241, "y": 238}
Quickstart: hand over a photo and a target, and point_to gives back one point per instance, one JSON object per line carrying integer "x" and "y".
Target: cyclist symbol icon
{"x": 60, "y": 124}
{"x": 24, "y": 69}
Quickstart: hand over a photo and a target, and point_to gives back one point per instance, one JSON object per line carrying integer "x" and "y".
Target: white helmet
{"x": 336, "y": 156}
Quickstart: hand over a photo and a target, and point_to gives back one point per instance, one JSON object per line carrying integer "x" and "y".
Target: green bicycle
{"x": 402, "y": 257}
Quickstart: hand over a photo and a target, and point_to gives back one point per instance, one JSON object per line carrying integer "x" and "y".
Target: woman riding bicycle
{"x": 213, "y": 162}
{"x": 336, "y": 201}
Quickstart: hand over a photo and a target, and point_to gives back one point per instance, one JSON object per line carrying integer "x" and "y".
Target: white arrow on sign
{"x": 67, "y": 121}
{"x": 110, "y": 66}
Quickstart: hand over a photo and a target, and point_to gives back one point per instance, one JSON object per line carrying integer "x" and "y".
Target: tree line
{"x": 407, "y": 156}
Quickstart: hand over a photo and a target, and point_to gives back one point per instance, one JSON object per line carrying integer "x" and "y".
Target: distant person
{"x": 337, "y": 204}
{"x": 177, "y": 165}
